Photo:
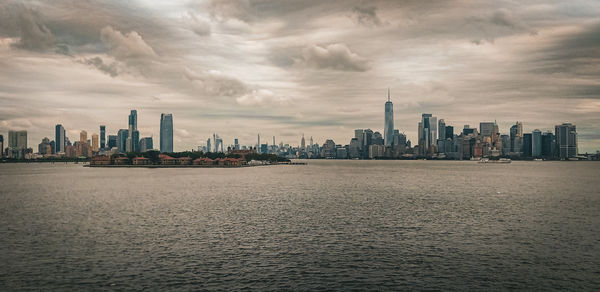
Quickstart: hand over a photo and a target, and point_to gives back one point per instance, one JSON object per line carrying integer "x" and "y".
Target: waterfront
{"x": 328, "y": 225}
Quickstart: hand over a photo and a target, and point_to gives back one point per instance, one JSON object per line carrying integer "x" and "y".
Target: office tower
{"x": 467, "y": 130}
{"x": 123, "y": 136}
{"x": 134, "y": 135}
{"x": 236, "y": 144}
{"x": 388, "y": 127}
{"x": 258, "y": 145}
{"x": 311, "y": 142}
{"x": 17, "y": 139}
{"x": 536, "y": 143}
{"x": 302, "y": 144}
{"x": 329, "y": 149}
{"x": 527, "y": 144}
{"x": 146, "y": 144}
{"x": 95, "y": 142}
{"x": 425, "y": 135}
{"x": 548, "y": 145}
{"x": 505, "y": 144}
{"x": 449, "y": 132}
{"x": 566, "y": 140}
{"x": 1, "y": 146}
{"x": 442, "y": 129}
{"x": 516, "y": 138}
{"x": 112, "y": 141}
{"x": 434, "y": 124}
{"x": 274, "y": 141}
{"x": 208, "y": 145}
{"x": 263, "y": 148}
{"x": 358, "y": 134}
{"x": 486, "y": 129}
{"x": 377, "y": 139}
{"x": 102, "y": 136}
{"x": 166, "y": 132}
{"x": 59, "y": 139}
{"x": 83, "y": 137}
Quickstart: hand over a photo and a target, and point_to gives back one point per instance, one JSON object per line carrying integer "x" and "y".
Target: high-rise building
{"x": 358, "y": 134}
{"x": 17, "y": 139}
{"x": 449, "y": 132}
{"x": 486, "y": 129}
{"x": 1, "y": 146}
{"x": 302, "y": 144}
{"x": 527, "y": 144}
{"x": 426, "y": 133}
{"x": 102, "y": 137}
{"x": 208, "y": 149}
{"x": 134, "y": 136}
{"x": 566, "y": 140}
{"x": 388, "y": 129}
{"x": 123, "y": 136}
{"x": 516, "y": 138}
{"x": 146, "y": 144}
{"x": 442, "y": 129}
{"x": 258, "y": 145}
{"x": 112, "y": 141}
{"x": 166, "y": 133}
{"x": 536, "y": 143}
{"x": 548, "y": 145}
{"x": 95, "y": 142}
{"x": 83, "y": 137}
{"x": 506, "y": 148}
{"x": 236, "y": 144}
{"x": 59, "y": 139}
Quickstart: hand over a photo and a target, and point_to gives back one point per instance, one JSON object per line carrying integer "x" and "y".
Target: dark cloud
{"x": 126, "y": 46}
{"x": 110, "y": 69}
{"x": 198, "y": 26}
{"x": 366, "y": 16}
{"x": 17, "y": 20}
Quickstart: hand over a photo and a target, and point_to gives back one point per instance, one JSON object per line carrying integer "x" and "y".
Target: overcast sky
{"x": 283, "y": 68}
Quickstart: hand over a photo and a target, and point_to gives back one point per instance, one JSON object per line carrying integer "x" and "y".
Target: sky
{"x": 286, "y": 68}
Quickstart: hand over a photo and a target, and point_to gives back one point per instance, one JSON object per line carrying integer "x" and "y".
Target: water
{"x": 329, "y": 225}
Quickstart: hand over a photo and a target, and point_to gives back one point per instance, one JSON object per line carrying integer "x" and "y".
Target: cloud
{"x": 130, "y": 46}
{"x": 216, "y": 83}
{"x": 226, "y": 9}
{"x": 366, "y": 16}
{"x": 334, "y": 56}
{"x": 499, "y": 23}
{"x": 261, "y": 97}
{"x": 110, "y": 69}
{"x": 198, "y": 26}
{"x": 28, "y": 25}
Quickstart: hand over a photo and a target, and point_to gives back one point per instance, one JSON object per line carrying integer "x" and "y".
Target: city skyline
{"x": 283, "y": 69}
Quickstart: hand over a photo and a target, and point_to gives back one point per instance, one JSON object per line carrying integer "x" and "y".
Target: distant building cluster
{"x": 436, "y": 139}
{"x": 125, "y": 140}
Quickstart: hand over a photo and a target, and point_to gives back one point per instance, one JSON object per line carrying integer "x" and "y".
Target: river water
{"x": 328, "y": 225}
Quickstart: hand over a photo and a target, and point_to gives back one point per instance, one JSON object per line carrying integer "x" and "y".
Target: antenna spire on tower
{"x": 388, "y": 94}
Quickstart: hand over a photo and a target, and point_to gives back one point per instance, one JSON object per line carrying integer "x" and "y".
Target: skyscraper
{"x": 123, "y": 136}
{"x": 146, "y": 144}
{"x": 102, "y": 136}
{"x": 59, "y": 139}
{"x": 516, "y": 138}
{"x": 527, "y": 144}
{"x": 302, "y": 144}
{"x": 112, "y": 141}
{"x": 166, "y": 133}
{"x": 83, "y": 137}
{"x": 208, "y": 145}
{"x": 442, "y": 129}
{"x": 236, "y": 144}
{"x": 388, "y": 129}
{"x": 426, "y": 133}
{"x": 95, "y": 142}
{"x": 536, "y": 143}
{"x": 566, "y": 140}
{"x": 1, "y": 146}
{"x": 134, "y": 135}
{"x": 486, "y": 128}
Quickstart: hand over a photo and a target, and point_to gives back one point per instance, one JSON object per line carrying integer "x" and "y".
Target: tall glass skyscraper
{"x": 166, "y": 133}
{"x": 388, "y": 129}
{"x": 59, "y": 139}
{"x": 134, "y": 136}
{"x": 566, "y": 140}
{"x": 102, "y": 137}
